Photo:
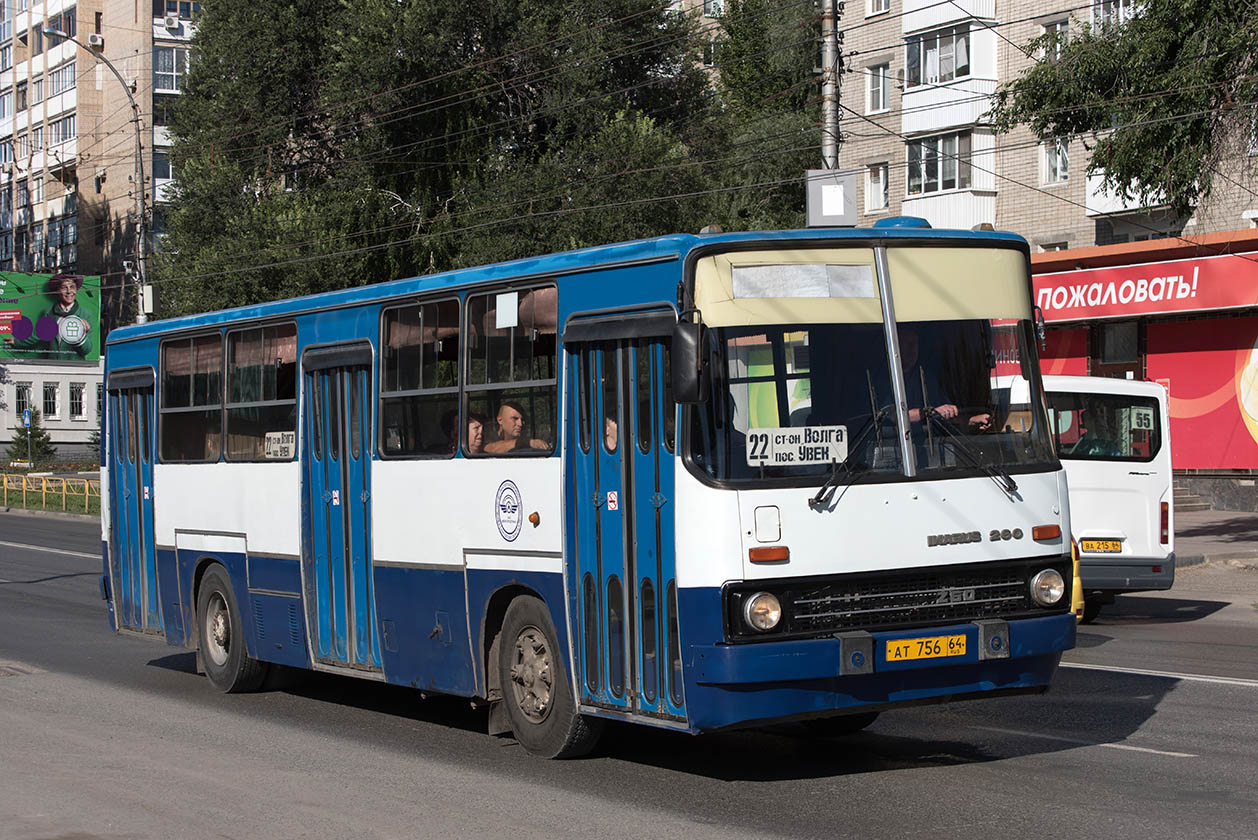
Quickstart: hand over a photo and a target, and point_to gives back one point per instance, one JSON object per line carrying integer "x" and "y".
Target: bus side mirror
{"x": 689, "y": 374}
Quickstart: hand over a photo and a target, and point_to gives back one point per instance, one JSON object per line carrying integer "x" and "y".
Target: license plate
{"x": 930, "y": 647}
{"x": 1110, "y": 546}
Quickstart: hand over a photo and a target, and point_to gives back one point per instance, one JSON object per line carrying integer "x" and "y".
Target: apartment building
{"x": 68, "y": 168}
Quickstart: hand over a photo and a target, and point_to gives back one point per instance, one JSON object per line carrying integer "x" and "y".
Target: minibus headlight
{"x": 1047, "y": 587}
{"x": 762, "y": 611}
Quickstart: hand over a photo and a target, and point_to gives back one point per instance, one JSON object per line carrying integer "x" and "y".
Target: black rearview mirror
{"x": 689, "y": 374}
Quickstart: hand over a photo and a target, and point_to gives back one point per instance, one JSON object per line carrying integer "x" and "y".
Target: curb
{"x": 52, "y": 514}
{"x": 1183, "y": 562}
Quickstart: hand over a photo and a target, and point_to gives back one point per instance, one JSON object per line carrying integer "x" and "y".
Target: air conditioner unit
{"x": 95, "y": 40}
{"x": 171, "y": 22}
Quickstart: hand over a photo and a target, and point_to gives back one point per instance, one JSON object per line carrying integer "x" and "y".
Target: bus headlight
{"x": 1047, "y": 587}
{"x": 762, "y": 611}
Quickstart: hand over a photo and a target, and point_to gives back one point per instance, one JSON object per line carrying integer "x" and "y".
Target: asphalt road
{"x": 105, "y": 736}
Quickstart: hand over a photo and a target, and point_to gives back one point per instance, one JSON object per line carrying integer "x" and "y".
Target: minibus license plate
{"x": 932, "y": 647}
{"x": 1111, "y": 546}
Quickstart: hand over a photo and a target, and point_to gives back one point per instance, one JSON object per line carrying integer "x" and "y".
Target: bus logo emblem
{"x": 507, "y": 510}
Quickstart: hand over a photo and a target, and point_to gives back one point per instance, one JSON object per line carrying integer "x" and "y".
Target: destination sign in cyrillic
{"x": 794, "y": 445}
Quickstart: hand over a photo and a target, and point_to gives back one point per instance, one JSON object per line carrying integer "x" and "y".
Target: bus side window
{"x": 511, "y": 339}
{"x": 419, "y": 383}
{"x": 191, "y": 427}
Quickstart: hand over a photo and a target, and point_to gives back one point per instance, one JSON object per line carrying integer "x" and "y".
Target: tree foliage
{"x": 325, "y": 144}
{"x": 1159, "y": 99}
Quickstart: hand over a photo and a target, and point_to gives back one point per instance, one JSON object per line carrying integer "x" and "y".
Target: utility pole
{"x": 832, "y": 62}
{"x": 141, "y": 237}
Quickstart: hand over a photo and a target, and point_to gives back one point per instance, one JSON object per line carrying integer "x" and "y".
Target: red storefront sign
{"x": 1222, "y": 282}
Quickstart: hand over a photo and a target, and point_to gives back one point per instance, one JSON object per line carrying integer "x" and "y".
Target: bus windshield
{"x": 794, "y": 401}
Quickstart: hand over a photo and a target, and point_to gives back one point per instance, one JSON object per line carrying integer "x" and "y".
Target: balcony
{"x": 920, "y": 15}
{"x": 959, "y": 209}
{"x": 1105, "y": 202}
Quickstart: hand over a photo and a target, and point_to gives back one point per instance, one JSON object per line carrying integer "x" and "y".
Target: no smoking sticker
{"x": 613, "y": 500}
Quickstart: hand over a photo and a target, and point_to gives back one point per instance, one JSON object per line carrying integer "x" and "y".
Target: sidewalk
{"x": 1205, "y": 535}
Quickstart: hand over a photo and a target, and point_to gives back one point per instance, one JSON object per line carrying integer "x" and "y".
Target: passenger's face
{"x": 475, "y": 435}
{"x": 510, "y": 423}
{"x": 67, "y": 292}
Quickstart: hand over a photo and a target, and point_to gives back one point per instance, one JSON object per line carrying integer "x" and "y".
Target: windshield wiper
{"x": 1003, "y": 480}
{"x": 826, "y": 491}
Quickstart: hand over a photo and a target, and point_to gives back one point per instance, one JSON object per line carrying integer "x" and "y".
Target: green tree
{"x": 1159, "y": 99}
{"x": 40, "y": 444}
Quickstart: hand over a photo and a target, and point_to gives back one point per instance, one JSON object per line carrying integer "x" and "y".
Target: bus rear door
{"x": 133, "y": 570}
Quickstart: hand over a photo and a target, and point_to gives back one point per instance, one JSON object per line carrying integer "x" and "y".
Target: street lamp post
{"x": 141, "y": 240}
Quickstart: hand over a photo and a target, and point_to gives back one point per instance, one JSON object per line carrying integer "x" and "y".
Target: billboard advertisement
{"x": 49, "y": 317}
{"x": 1210, "y": 369}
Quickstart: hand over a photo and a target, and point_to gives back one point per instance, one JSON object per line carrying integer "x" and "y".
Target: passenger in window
{"x": 611, "y": 434}
{"x": 511, "y": 437}
{"x": 475, "y": 433}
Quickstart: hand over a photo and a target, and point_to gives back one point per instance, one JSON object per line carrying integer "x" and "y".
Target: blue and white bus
{"x": 695, "y": 482}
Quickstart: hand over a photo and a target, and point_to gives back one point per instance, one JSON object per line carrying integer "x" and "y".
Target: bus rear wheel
{"x": 221, "y": 636}
{"x": 535, "y": 688}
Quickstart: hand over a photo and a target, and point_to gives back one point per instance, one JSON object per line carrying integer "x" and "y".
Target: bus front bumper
{"x": 748, "y": 684}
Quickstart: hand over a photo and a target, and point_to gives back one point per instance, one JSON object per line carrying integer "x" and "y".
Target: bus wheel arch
{"x": 220, "y": 635}
{"x": 491, "y": 633}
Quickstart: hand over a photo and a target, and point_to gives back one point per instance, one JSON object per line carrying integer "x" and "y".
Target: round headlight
{"x": 1047, "y": 587}
{"x": 762, "y": 611}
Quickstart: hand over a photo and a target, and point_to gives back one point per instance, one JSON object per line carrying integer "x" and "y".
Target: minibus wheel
{"x": 536, "y": 691}
{"x": 1091, "y": 609}
{"x": 221, "y": 636}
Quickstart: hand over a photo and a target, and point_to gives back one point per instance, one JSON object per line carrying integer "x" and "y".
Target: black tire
{"x": 536, "y": 692}
{"x": 840, "y": 725}
{"x": 221, "y": 636}
{"x": 1091, "y": 609}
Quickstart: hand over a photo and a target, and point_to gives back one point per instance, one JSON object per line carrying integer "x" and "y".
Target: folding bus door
{"x": 336, "y": 458}
{"x": 133, "y": 556}
{"x": 622, "y": 578}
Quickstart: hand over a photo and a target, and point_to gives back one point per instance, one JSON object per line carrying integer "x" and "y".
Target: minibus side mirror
{"x": 689, "y": 373}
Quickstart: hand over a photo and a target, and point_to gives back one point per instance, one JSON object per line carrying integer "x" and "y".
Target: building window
{"x": 939, "y": 163}
{"x": 76, "y": 400}
{"x": 877, "y": 7}
{"x": 419, "y": 387}
{"x": 1060, "y": 29}
{"x": 512, "y": 369}
{"x": 21, "y": 96}
{"x": 37, "y": 90}
{"x": 1119, "y": 342}
{"x": 6, "y": 57}
{"x": 59, "y": 131}
{"x": 37, "y": 138}
{"x": 6, "y": 151}
{"x": 51, "y": 391}
{"x": 879, "y": 88}
{"x": 182, "y": 9}
{"x": 37, "y": 246}
{"x": 1112, "y": 12}
{"x": 21, "y": 398}
{"x": 709, "y": 53}
{"x": 713, "y": 8}
{"x": 6, "y": 105}
{"x": 938, "y": 56}
{"x": 36, "y": 40}
{"x": 876, "y": 188}
{"x": 37, "y": 190}
{"x": 170, "y": 65}
{"x": 161, "y": 166}
{"x": 23, "y": 146}
{"x": 23, "y": 194}
{"x": 65, "y": 22}
{"x": 61, "y": 79}
{"x": 1054, "y": 246}
{"x": 1056, "y": 160}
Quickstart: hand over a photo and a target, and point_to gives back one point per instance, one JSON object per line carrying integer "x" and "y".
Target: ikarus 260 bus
{"x": 694, "y": 482}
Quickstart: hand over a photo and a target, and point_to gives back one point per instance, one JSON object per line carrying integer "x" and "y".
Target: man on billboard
{"x": 62, "y": 330}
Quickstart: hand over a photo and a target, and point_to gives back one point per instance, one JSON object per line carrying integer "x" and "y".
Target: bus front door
{"x": 133, "y": 570}
{"x": 622, "y": 576}
{"x": 336, "y": 562}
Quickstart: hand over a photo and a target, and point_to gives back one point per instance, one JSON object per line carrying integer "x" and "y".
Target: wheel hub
{"x": 532, "y": 680}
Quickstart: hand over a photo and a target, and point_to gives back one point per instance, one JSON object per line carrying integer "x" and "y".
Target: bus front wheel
{"x": 221, "y": 636}
{"x": 535, "y": 688}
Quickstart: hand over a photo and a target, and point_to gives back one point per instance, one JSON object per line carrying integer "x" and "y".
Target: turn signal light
{"x": 1046, "y": 532}
{"x": 770, "y": 554}
{"x": 1166, "y": 522}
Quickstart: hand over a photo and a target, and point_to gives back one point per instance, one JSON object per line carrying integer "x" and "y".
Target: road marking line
{"x": 53, "y": 550}
{"x": 1082, "y": 743}
{"x": 1147, "y": 673}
